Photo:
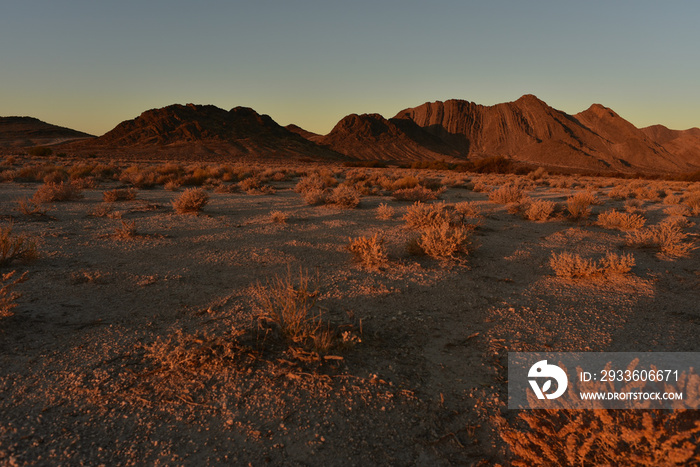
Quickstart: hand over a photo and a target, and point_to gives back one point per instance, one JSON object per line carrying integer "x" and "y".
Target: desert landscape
{"x": 311, "y": 308}
{"x": 365, "y": 233}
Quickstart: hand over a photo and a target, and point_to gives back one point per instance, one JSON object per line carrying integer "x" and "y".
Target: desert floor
{"x": 147, "y": 348}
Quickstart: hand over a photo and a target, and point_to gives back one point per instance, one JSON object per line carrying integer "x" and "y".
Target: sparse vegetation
{"x": 420, "y": 215}
{"x": 244, "y": 360}
{"x": 506, "y": 194}
{"x": 7, "y": 294}
{"x": 667, "y": 238}
{"x": 416, "y": 193}
{"x": 30, "y": 208}
{"x": 613, "y": 263}
{"x": 692, "y": 200}
{"x": 344, "y": 197}
{"x": 117, "y": 194}
{"x": 573, "y": 266}
{"x": 443, "y": 241}
{"x": 191, "y": 201}
{"x": 126, "y": 231}
{"x": 385, "y": 212}
{"x": 290, "y": 305}
{"x": 50, "y": 192}
{"x": 469, "y": 209}
{"x": 579, "y": 205}
{"x": 369, "y": 252}
{"x": 620, "y": 221}
{"x": 612, "y": 437}
{"x": 15, "y": 247}
{"x": 279, "y": 217}
{"x": 539, "y": 210}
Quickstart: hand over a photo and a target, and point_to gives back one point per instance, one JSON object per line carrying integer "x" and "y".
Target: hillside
{"x": 26, "y": 132}
{"x": 371, "y": 136}
{"x": 202, "y": 132}
{"x": 530, "y": 130}
{"x": 683, "y": 144}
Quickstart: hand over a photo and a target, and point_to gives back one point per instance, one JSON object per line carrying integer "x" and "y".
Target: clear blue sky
{"x": 91, "y": 64}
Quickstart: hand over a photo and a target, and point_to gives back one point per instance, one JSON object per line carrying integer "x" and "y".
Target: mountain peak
{"x": 530, "y": 99}
{"x": 600, "y": 111}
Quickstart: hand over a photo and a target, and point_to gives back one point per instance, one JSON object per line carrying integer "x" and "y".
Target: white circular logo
{"x": 542, "y": 370}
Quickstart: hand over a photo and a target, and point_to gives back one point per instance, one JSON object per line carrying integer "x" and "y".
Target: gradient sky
{"x": 91, "y": 64}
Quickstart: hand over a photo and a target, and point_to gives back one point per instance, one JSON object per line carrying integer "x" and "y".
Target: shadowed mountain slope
{"x": 24, "y": 132}
{"x": 371, "y": 136}
{"x": 203, "y": 131}
{"x": 683, "y": 144}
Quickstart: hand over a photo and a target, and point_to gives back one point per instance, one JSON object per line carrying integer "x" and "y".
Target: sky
{"x": 88, "y": 65}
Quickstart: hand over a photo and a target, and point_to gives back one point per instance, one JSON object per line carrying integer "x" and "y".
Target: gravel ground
{"x": 147, "y": 350}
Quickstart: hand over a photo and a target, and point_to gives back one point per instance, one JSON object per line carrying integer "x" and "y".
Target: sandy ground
{"x": 81, "y": 383}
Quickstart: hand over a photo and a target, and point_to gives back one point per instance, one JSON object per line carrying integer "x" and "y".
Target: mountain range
{"x": 526, "y": 130}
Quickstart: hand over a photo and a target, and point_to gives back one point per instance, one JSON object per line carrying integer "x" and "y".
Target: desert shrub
{"x": 126, "y": 230}
{"x": 579, "y": 205}
{"x": 537, "y": 174}
{"x": 139, "y": 177}
{"x": 79, "y": 171}
{"x": 420, "y": 215}
{"x": 620, "y": 192}
{"x": 290, "y": 305}
{"x": 315, "y": 196}
{"x": 30, "y": 208}
{"x": 480, "y": 187}
{"x": 506, "y": 194}
{"x": 468, "y": 209}
{"x": 677, "y": 210}
{"x": 279, "y": 217}
{"x": 344, "y": 197}
{"x": 101, "y": 210}
{"x": 672, "y": 199}
{"x": 192, "y": 200}
{"x": 56, "y": 176}
{"x": 650, "y": 193}
{"x": 692, "y": 200}
{"x": 443, "y": 241}
{"x": 667, "y": 238}
{"x": 676, "y": 215}
{"x": 250, "y": 184}
{"x": 50, "y": 192}
{"x": 417, "y": 193}
{"x": 620, "y": 221}
{"x": 385, "y": 212}
{"x": 514, "y": 208}
{"x": 172, "y": 185}
{"x": 433, "y": 184}
{"x": 369, "y": 252}
{"x": 681, "y": 222}
{"x": 7, "y": 294}
{"x": 633, "y": 205}
{"x": 15, "y": 247}
{"x": 315, "y": 182}
{"x": 613, "y": 263}
{"x": 117, "y": 194}
{"x": 404, "y": 183}
{"x": 573, "y": 266}
{"x": 602, "y": 437}
{"x": 539, "y": 210}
